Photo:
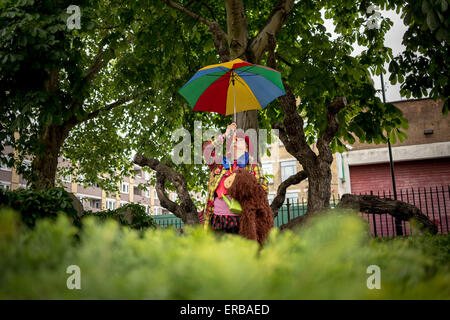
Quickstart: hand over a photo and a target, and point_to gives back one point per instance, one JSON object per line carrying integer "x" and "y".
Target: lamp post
{"x": 398, "y": 224}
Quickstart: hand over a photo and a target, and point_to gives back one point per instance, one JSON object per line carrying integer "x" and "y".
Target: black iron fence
{"x": 434, "y": 202}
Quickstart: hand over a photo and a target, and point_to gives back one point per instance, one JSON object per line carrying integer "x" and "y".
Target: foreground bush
{"x": 326, "y": 260}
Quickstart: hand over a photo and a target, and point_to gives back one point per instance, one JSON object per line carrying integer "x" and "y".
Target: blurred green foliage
{"x": 327, "y": 259}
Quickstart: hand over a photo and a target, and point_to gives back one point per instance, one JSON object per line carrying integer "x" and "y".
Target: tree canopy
{"x": 110, "y": 88}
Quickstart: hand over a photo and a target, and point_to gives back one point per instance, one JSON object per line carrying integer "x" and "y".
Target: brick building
{"x": 422, "y": 160}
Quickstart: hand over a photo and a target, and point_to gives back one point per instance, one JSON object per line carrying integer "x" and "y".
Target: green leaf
{"x": 442, "y": 35}
{"x": 432, "y": 21}
{"x": 444, "y": 5}
{"x": 426, "y": 7}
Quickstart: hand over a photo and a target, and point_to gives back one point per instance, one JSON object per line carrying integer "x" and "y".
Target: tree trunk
{"x": 46, "y": 162}
{"x": 319, "y": 183}
{"x": 238, "y": 43}
{"x": 249, "y": 120}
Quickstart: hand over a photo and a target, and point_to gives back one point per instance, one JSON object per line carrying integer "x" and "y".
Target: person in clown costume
{"x": 216, "y": 213}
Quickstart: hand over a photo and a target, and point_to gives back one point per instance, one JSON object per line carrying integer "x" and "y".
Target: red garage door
{"x": 423, "y": 183}
{"x": 408, "y": 174}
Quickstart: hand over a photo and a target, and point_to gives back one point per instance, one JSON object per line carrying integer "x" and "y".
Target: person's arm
{"x": 215, "y": 143}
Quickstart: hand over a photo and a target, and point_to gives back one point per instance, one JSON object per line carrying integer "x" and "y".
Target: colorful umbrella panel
{"x": 233, "y": 86}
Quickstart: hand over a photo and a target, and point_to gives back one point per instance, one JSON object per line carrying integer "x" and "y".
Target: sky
{"x": 393, "y": 40}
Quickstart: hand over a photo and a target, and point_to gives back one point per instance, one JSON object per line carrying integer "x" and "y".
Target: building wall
{"x": 422, "y": 114}
{"x": 420, "y": 160}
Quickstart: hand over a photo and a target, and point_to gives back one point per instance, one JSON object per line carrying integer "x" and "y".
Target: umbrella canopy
{"x": 232, "y": 87}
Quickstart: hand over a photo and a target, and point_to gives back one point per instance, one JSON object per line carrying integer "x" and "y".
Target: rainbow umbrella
{"x": 233, "y": 86}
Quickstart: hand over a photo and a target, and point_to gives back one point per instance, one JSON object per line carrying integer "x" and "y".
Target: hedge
{"x": 50, "y": 203}
{"x": 327, "y": 259}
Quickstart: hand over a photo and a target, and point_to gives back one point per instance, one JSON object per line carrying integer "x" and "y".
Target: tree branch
{"x": 101, "y": 60}
{"x": 281, "y": 191}
{"x": 323, "y": 142}
{"x": 162, "y": 196}
{"x": 74, "y": 120}
{"x": 375, "y": 205}
{"x": 291, "y": 131}
{"x": 108, "y": 107}
{"x": 178, "y": 6}
{"x": 98, "y": 63}
{"x": 219, "y": 36}
{"x": 237, "y": 28}
{"x": 275, "y": 21}
{"x": 186, "y": 211}
{"x": 283, "y": 60}
{"x": 220, "y": 39}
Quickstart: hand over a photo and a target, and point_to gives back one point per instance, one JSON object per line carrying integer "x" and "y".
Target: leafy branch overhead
{"x": 98, "y": 94}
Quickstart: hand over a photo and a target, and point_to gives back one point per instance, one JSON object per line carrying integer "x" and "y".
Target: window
{"x": 110, "y": 204}
{"x": 147, "y": 208}
{"x": 4, "y": 166}
{"x": 174, "y": 196}
{"x": 138, "y": 173}
{"x": 5, "y": 186}
{"x": 147, "y": 175}
{"x": 292, "y": 196}
{"x": 267, "y": 169}
{"x": 94, "y": 185}
{"x": 67, "y": 178}
{"x": 81, "y": 200}
{"x": 147, "y": 193}
{"x": 124, "y": 187}
{"x": 137, "y": 191}
{"x": 122, "y": 203}
{"x": 95, "y": 203}
{"x": 288, "y": 168}
{"x": 155, "y": 194}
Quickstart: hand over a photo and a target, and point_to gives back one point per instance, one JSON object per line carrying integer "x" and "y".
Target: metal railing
{"x": 434, "y": 202}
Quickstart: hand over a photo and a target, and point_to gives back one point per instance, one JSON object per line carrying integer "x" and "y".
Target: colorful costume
{"x": 218, "y": 173}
